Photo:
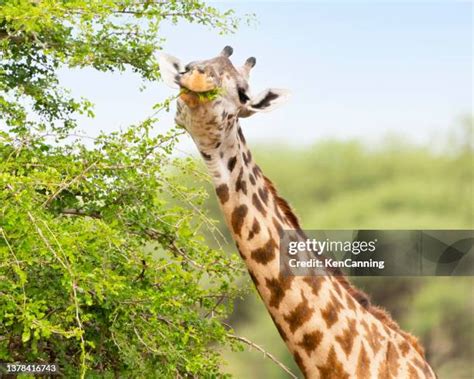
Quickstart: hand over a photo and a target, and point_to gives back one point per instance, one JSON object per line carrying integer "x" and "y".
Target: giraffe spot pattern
{"x": 254, "y": 279}
{"x": 338, "y": 290}
{"x": 389, "y": 367}
{"x": 255, "y": 229}
{"x": 231, "y": 163}
{"x": 278, "y": 287}
{"x": 252, "y": 179}
{"x": 222, "y": 192}
{"x": 301, "y": 314}
{"x": 346, "y": 339}
{"x": 404, "y": 348}
{"x": 240, "y": 184}
{"x": 330, "y": 313}
{"x": 258, "y": 204}
{"x": 373, "y": 336}
{"x": 311, "y": 341}
{"x": 412, "y": 373}
{"x": 207, "y": 157}
{"x": 279, "y": 328}
{"x": 299, "y": 361}
{"x": 237, "y": 218}
{"x": 363, "y": 364}
{"x": 350, "y": 302}
{"x": 247, "y": 157}
{"x": 332, "y": 369}
{"x": 423, "y": 366}
{"x": 263, "y": 193}
{"x": 266, "y": 253}
{"x": 315, "y": 283}
{"x": 241, "y": 135}
{"x": 256, "y": 171}
{"x": 278, "y": 227}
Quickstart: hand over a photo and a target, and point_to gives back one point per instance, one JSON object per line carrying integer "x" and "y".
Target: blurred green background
{"x": 389, "y": 185}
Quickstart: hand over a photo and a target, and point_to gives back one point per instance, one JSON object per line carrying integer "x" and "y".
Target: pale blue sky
{"x": 355, "y": 69}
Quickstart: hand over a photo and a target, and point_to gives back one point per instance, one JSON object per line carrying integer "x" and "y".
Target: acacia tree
{"x": 102, "y": 268}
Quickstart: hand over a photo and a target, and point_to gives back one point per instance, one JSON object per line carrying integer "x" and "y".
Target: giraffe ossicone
{"x": 330, "y": 328}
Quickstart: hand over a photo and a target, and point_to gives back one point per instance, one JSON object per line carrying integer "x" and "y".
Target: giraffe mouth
{"x": 202, "y": 96}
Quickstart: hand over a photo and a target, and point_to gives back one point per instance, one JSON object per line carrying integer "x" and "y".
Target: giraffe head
{"x": 214, "y": 94}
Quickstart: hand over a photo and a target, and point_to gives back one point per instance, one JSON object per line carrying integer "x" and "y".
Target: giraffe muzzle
{"x": 198, "y": 87}
{"x": 198, "y": 81}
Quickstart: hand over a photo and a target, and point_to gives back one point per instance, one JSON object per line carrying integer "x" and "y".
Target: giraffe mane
{"x": 360, "y": 296}
{"x": 283, "y": 204}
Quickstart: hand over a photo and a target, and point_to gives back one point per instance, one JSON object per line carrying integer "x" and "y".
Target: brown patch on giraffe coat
{"x": 256, "y": 171}
{"x": 240, "y": 184}
{"x": 241, "y": 135}
{"x": 266, "y": 253}
{"x": 330, "y": 313}
{"x": 299, "y": 361}
{"x": 423, "y": 366}
{"x": 412, "y": 373}
{"x": 363, "y": 364}
{"x": 222, "y": 192}
{"x": 315, "y": 283}
{"x": 263, "y": 193}
{"x": 278, "y": 227}
{"x": 278, "y": 287}
{"x": 311, "y": 341}
{"x": 350, "y": 302}
{"x": 247, "y": 157}
{"x": 231, "y": 163}
{"x": 279, "y": 328}
{"x": 389, "y": 366}
{"x": 301, "y": 314}
{"x": 258, "y": 204}
{"x": 207, "y": 157}
{"x": 254, "y": 278}
{"x": 392, "y": 359}
{"x": 346, "y": 340}
{"x": 252, "y": 179}
{"x": 255, "y": 229}
{"x": 237, "y": 218}
{"x": 332, "y": 369}
{"x": 413, "y": 341}
{"x": 404, "y": 347}
{"x": 338, "y": 289}
{"x": 373, "y": 336}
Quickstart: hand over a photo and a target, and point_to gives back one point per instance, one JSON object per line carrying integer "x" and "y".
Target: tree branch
{"x": 265, "y": 353}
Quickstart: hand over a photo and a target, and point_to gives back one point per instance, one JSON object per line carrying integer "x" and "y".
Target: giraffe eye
{"x": 242, "y": 95}
{"x": 186, "y": 69}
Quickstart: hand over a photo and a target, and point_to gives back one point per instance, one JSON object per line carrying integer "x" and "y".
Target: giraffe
{"x": 331, "y": 329}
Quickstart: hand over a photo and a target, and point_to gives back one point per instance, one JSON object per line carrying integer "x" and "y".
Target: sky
{"x": 355, "y": 70}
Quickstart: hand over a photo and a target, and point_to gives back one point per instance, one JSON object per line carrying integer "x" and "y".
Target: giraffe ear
{"x": 268, "y": 100}
{"x": 171, "y": 69}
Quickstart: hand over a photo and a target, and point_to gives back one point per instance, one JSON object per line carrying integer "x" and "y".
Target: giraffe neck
{"x": 326, "y": 324}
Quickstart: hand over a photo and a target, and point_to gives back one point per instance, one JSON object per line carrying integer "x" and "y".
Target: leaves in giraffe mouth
{"x": 202, "y": 96}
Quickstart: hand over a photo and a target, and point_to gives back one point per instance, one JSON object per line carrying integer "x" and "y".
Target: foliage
{"x": 38, "y": 37}
{"x": 206, "y": 95}
{"x": 99, "y": 271}
{"x": 102, "y": 268}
